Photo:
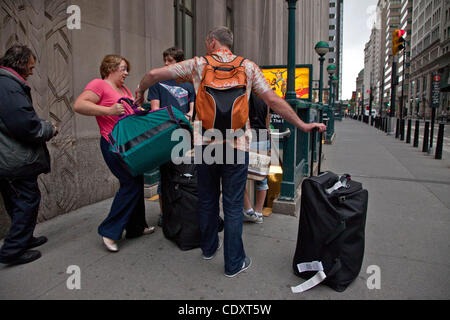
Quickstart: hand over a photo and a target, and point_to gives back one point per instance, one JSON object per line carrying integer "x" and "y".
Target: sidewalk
{"x": 407, "y": 237}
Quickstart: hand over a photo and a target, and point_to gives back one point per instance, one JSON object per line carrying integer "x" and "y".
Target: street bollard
{"x": 426, "y": 136}
{"x": 408, "y": 131}
{"x": 416, "y": 134}
{"x": 431, "y": 134}
{"x": 440, "y": 141}
{"x": 397, "y": 129}
{"x": 402, "y": 130}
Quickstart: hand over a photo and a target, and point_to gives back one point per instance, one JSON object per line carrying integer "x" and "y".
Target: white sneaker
{"x": 252, "y": 216}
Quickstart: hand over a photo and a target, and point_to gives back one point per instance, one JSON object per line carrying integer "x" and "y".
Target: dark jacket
{"x": 23, "y": 136}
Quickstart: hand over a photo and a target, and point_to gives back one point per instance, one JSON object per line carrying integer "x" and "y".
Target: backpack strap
{"x": 237, "y": 62}
{"x": 242, "y": 61}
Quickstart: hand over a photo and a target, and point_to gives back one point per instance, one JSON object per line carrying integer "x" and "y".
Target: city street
{"x": 407, "y": 241}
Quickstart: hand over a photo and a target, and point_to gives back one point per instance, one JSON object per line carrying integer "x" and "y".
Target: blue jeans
{"x": 21, "y": 197}
{"x": 234, "y": 177}
{"x": 128, "y": 208}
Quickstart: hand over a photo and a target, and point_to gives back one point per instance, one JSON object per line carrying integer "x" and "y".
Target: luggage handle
{"x": 313, "y": 149}
{"x": 343, "y": 182}
{"x": 137, "y": 109}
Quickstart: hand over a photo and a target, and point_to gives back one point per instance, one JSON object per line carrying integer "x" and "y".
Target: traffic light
{"x": 398, "y": 41}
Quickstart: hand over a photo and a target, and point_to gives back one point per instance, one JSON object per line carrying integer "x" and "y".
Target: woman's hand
{"x": 117, "y": 109}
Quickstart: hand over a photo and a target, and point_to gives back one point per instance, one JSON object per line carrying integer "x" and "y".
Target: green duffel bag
{"x": 142, "y": 141}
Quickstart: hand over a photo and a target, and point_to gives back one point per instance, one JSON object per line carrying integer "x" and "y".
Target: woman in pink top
{"x": 99, "y": 99}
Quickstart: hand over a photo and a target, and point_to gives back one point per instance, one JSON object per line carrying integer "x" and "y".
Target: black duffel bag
{"x": 180, "y": 217}
{"x": 330, "y": 242}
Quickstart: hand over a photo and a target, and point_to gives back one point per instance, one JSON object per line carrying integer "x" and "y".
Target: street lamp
{"x": 322, "y": 49}
{"x": 331, "y": 69}
{"x": 334, "y": 81}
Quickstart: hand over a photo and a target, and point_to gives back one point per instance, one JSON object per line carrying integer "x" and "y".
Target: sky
{"x": 359, "y": 16}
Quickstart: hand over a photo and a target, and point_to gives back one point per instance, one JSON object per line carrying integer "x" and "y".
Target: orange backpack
{"x": 221, "y": 101}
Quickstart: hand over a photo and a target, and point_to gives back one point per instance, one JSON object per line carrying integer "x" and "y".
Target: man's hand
{"x": 320, "y": 127}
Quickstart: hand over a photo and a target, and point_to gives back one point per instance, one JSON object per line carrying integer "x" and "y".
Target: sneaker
{"x": 252, "y": 216}
{"x": 247, "y": 263}
{"x": 212, "y": 256}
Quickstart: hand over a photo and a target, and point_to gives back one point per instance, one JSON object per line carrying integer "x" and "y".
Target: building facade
{"x": 393, "y": 10}
{"x": 372, "y": 74}
{"x": 430, "y": 56}
{"x": 335, "y": 40}
{"x": 404, "y": 60}
{"x": 70, "y": 38}
{"x": 359, "y": 92}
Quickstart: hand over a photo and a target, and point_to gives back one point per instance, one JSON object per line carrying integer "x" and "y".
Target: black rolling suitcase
{"x": 179, "y": 205}
{"x": 180, "y": 219}
{"x": 330, "y": 241}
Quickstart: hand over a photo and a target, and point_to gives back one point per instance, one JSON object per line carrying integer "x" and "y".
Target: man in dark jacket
{"x": 23, "y": 155}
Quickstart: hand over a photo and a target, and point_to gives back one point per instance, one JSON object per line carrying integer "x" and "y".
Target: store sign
{"x": 435, "y": 90}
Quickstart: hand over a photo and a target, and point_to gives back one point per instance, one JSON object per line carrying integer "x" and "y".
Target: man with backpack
{"x": 223, "y": 83}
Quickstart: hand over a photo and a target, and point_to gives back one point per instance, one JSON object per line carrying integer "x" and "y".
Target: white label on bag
{"x": 336, "y": 186}
{"x": 310, "y": 266}
{"x": 314, "y": 281}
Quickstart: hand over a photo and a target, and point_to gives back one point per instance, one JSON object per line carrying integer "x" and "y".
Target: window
{"x": 230, "y": 17}
{"x": 185, "y": 26}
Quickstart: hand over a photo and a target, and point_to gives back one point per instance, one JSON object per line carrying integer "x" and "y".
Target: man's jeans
{"x": 233, "y": 177}
{"x": 21, "y": 197}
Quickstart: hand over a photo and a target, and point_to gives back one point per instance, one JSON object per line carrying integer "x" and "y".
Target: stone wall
{"x": 66, "y": 61}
